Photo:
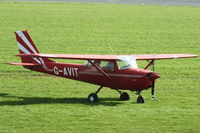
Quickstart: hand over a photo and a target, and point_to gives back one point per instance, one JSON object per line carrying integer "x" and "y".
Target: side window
{"x": 88, "y": 64}
{"x": 107, "y": 65}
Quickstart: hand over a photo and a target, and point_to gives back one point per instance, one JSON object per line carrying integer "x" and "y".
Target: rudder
{"x": 26, "y": 46}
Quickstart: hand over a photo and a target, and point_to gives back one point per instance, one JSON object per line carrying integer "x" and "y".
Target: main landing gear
{"x": 93, "y": 97}
{"x": 124, "y": 96}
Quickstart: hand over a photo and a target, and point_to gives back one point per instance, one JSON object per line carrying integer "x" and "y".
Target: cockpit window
{"x": 107, "y": 65}
{"x": 88, "y": 64}
{"x": 126, "y": 62}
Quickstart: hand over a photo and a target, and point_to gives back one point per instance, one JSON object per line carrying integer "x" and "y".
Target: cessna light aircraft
{"x": 118, "y": 72}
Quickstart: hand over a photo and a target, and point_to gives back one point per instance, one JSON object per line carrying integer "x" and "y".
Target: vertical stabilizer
{"x": 27, "y": 46}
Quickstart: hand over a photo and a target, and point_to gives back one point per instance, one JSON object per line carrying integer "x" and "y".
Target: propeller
{"x": 153, "y": 76}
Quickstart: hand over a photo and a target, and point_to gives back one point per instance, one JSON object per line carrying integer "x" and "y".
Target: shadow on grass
{"x": 44, "y": 100}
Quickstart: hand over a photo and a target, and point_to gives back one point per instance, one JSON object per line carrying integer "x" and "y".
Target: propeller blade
{"x": 152, "y": 88}
{"x": 153, "y": 81}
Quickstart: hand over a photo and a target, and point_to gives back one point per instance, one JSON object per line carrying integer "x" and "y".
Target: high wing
{"x": 72, "y": 56}
{"x": 163, "y": 56}
{"x": 110, "y": 57}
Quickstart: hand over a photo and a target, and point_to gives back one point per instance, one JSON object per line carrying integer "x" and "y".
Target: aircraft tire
{"x": 124, "y": 96}
{"x": 140, "y": 99}
{"x": 92, "y": 97}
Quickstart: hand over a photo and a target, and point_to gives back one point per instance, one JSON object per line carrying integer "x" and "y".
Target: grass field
{"x": 35, "y": 102}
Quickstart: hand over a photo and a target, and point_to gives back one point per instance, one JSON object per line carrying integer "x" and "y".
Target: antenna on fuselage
{"x": 111, "y": 49}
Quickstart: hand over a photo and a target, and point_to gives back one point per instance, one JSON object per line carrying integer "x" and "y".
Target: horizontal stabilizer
{"x": 23, "y": 64}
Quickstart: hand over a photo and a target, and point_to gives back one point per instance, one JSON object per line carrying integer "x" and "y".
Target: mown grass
{"x": 34, "y": 102}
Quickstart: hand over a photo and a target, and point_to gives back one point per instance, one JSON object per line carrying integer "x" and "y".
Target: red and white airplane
{"x": 118, "y": 72}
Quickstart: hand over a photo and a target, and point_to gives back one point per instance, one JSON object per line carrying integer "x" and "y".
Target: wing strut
{"x": 98, "y": 68}
{"x": 151, "y": 63}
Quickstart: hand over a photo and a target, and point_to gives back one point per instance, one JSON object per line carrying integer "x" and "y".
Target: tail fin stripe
{"x": 37, "y": 61}
{"x": 27, "y": 52}
{"x": 43, "y": 64}
{"x": 22, "y": 36}
{"x": 23, "y": 49}
{"x": 26, "y": 46}
{"x": 23, "y": 44}
{"x": 30, "y": 40}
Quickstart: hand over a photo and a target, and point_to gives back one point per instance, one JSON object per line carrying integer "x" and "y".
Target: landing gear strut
{"x": 93, "y": 97}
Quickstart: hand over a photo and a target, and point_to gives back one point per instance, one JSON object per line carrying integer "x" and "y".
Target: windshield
{"x": 126, "y": 62}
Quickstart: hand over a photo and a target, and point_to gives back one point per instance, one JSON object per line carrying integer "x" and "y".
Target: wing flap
{"x": 110, "y": 57}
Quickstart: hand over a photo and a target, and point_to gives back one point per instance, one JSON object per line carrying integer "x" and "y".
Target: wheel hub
{"x": 91, "y": 99}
